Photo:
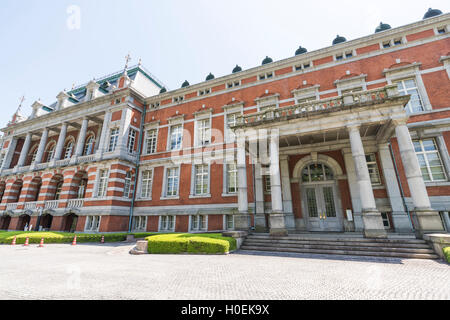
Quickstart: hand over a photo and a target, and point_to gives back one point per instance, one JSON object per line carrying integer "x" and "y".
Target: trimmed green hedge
{"x": 447, "y": 254}
{"x": 58, "y": 237}
{"x": 190, "y": 243}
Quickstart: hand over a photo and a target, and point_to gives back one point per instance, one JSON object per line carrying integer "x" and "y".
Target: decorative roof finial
{"x": 127, "y": 60}
{"x": 140, "y": 62}
{"x": 73, "y": 85}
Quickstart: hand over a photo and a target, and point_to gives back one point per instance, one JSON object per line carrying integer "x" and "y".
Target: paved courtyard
{"x": 109, "y": 272}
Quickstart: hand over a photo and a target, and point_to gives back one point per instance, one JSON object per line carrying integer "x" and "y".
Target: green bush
{"x": 190, "y": 243}
{"x": 58, "y": 237}
{"x": 447, "y": 254}
{"x": 142, "y": 235}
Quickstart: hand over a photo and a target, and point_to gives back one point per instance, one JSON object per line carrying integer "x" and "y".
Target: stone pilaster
{"x": 41, "y": 148}
{"x": 24, "y": 152}
{"x": 241, "y": 219}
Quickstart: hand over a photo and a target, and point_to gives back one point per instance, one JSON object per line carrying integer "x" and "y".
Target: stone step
{"x": 355, "y": 240}
{"x": 339, "y": 247}
{"x": 331, "y": 243}
{"x": 348, "y": 252}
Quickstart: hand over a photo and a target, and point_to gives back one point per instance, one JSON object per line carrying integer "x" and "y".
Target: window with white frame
{"x": 82, "y": 189}
{"x": 172, "y": 182}
{"x": 92, "y": 223}
{"x": 127, "y": 185}
{"x": 131, "y": 140}
{"x": 152, "y": 136}
{"x": 167, "y": 223}
{"x": 139, "y": 223}
{"x": 199, "y": 223}
{"x": 409, "y": 86}
{"x": 429, "y": 160}
{"x": 89, "y": 146}
{"x": 176, "y": 135}
{"x": 231, "y": 121}
{"x": 229, "y": 222}
{"x": 178, "y": 99}
{"x": 233, "y": 84}
{"x": 102, "y": 183}
{"x": 232, "y": 186}
{"x": 204, "y": 92}
{"x": 204, "y": 132}
{"x": 201, "y": 179}
{"x": 265, "y": 76}
{"x": 386, "y": 222}
{"x": 373, "y": 169}
{"x": 34, "y": 154}
{"x": 51, "y": 152}
{"x": 113, "y": 139}
{"x": 303, "y": 66}
{"x": 68, "y": 150}
{"x": 146, "y": 183}
{"x": 58, "y": 190}
{"x": 267, "y": 185}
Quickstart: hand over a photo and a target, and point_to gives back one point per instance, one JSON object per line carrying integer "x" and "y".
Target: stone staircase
{"x": 386, "y": 248}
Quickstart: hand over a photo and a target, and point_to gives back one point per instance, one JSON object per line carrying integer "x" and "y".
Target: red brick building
{"x": 349, "y": 138}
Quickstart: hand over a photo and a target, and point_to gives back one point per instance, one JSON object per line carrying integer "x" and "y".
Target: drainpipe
{"x": 400, "y": 184}
{"x": 138, "y": 158}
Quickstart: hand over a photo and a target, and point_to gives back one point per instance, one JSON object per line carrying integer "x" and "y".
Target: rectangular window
{"x": 409, "y": 86}
{"x": 152, "y": 136}
{"x": 229, "y": 222}
{"x": 339, "y": 57}
{"x": 103, "y": 183}
{"x": 429, "y": 160}
{"x": 172, "y": 182}
{"x": 167, "y": 223}
{"x": 139, "y": 223}
{"x": 204, "y": 132}
{"x": 232, "y": 178}
{"x": 386, "y": 222}
{"x": 267, "y": 186}
{"x": 92, "y": 223}
{"x": 127, "y": 186}
{"x": 199, "y": 223}
{"x": 201, "y": 179}
{"x": 373, "y": 169}
{"x": 131, "y": 141}
{"x": 387, "y": 44}
{"x": 146, "y": 184}
{"x": 231, "y": 121}
{"x": 397, "y": 42}
{"x": 176, "y": 134}
{"x": 113, "y": 138}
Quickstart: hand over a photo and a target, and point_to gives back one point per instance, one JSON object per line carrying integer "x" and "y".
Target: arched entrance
{"x": 46, "y": 222}
{"x": 70, "y": 222}
{"x": 319, "y": 192}
{"x": 4, "y": 222}
{"x": 24, "y": 220}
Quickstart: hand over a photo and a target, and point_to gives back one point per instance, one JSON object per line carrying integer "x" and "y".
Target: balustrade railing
{"x": 306, "y": 108}
{"x": 51, "y": 204}
{"x": 30, "y": 205}
{"x": 75, "y": 203}
{"x": 88, "y": 158}
{"x": 11, "y": 206}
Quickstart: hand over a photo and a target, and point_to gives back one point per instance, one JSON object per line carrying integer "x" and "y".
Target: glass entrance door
{"x": 321, "y": 208}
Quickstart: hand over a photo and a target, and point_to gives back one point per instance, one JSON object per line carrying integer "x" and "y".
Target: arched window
{"x": 89, "y": 146}
{"x": 82, "y": 189}
{"x": 68, "y": 150}
{"x": 51, "y": 152}
{"x": 33, "y": 155}
{"x": 317, "y": 173}
{"x": 38, "y": 190}
{"x": 58, "y": 190}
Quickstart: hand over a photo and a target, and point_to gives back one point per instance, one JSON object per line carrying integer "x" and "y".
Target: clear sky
{"x": 48, "y": 45}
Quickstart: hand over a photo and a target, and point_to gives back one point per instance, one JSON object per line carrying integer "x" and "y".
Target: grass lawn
{"x": 211, "y": 243}
{"x": 6, "y": 237}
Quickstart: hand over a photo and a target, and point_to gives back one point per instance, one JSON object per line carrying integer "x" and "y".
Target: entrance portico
{"x": 317, "y": 184}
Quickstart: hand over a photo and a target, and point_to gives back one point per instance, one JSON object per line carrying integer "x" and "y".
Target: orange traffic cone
{"x": 41, "y": 244}
{"x": 74, "y": 242}
{"x": 103, "y": 239}
{"x": 27, "y": 242}
{"x": 14, "y": 241}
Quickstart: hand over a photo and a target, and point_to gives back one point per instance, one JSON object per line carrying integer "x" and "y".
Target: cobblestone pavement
{"x": 109, "y": 272}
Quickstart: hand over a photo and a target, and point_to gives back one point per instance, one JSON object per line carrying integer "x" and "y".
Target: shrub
{"x": 58, "y": 237}
{"x": 190, "y": 243}
{"x": 447, "y": 254}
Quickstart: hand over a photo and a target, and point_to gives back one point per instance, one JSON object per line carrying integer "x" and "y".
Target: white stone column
{"x": 81, "y": 137}
{"x": 60, "y": 143}
{"x": 124, "y": 131}
{"x": 277, "y": 220}
{"x": 354, "y": 190}
{"x": 41, "y": 149}
{"x": 447, "y": 220}
{"x": 425, "y": 219}
{"x": 373, "y": 223}
{"x": 260, "y": 218}
{"x": 104, "y": 134}
{"x": 25, "y": 149}
{"x": 241, "y": 220}
{"x": 286, "y": 190}
{"x": 9, "y": 154}
{"x": 402, "y": 222}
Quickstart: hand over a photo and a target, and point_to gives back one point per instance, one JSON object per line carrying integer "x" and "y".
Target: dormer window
{"x": 204, "y": 92}
{"x": 233, "y": 84}
{"x": 344, "y": 55}
{"x": 266, "y": 76}
{"x": 349, "y": 54}
{"x": 441, "y": 30}
{"x": 386, "y": 44}
{"x": 339, "y": 57}
{"x": 303, "y": 66}
{"x": 177, "y": 99}
{"x": 397, "y": 41}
